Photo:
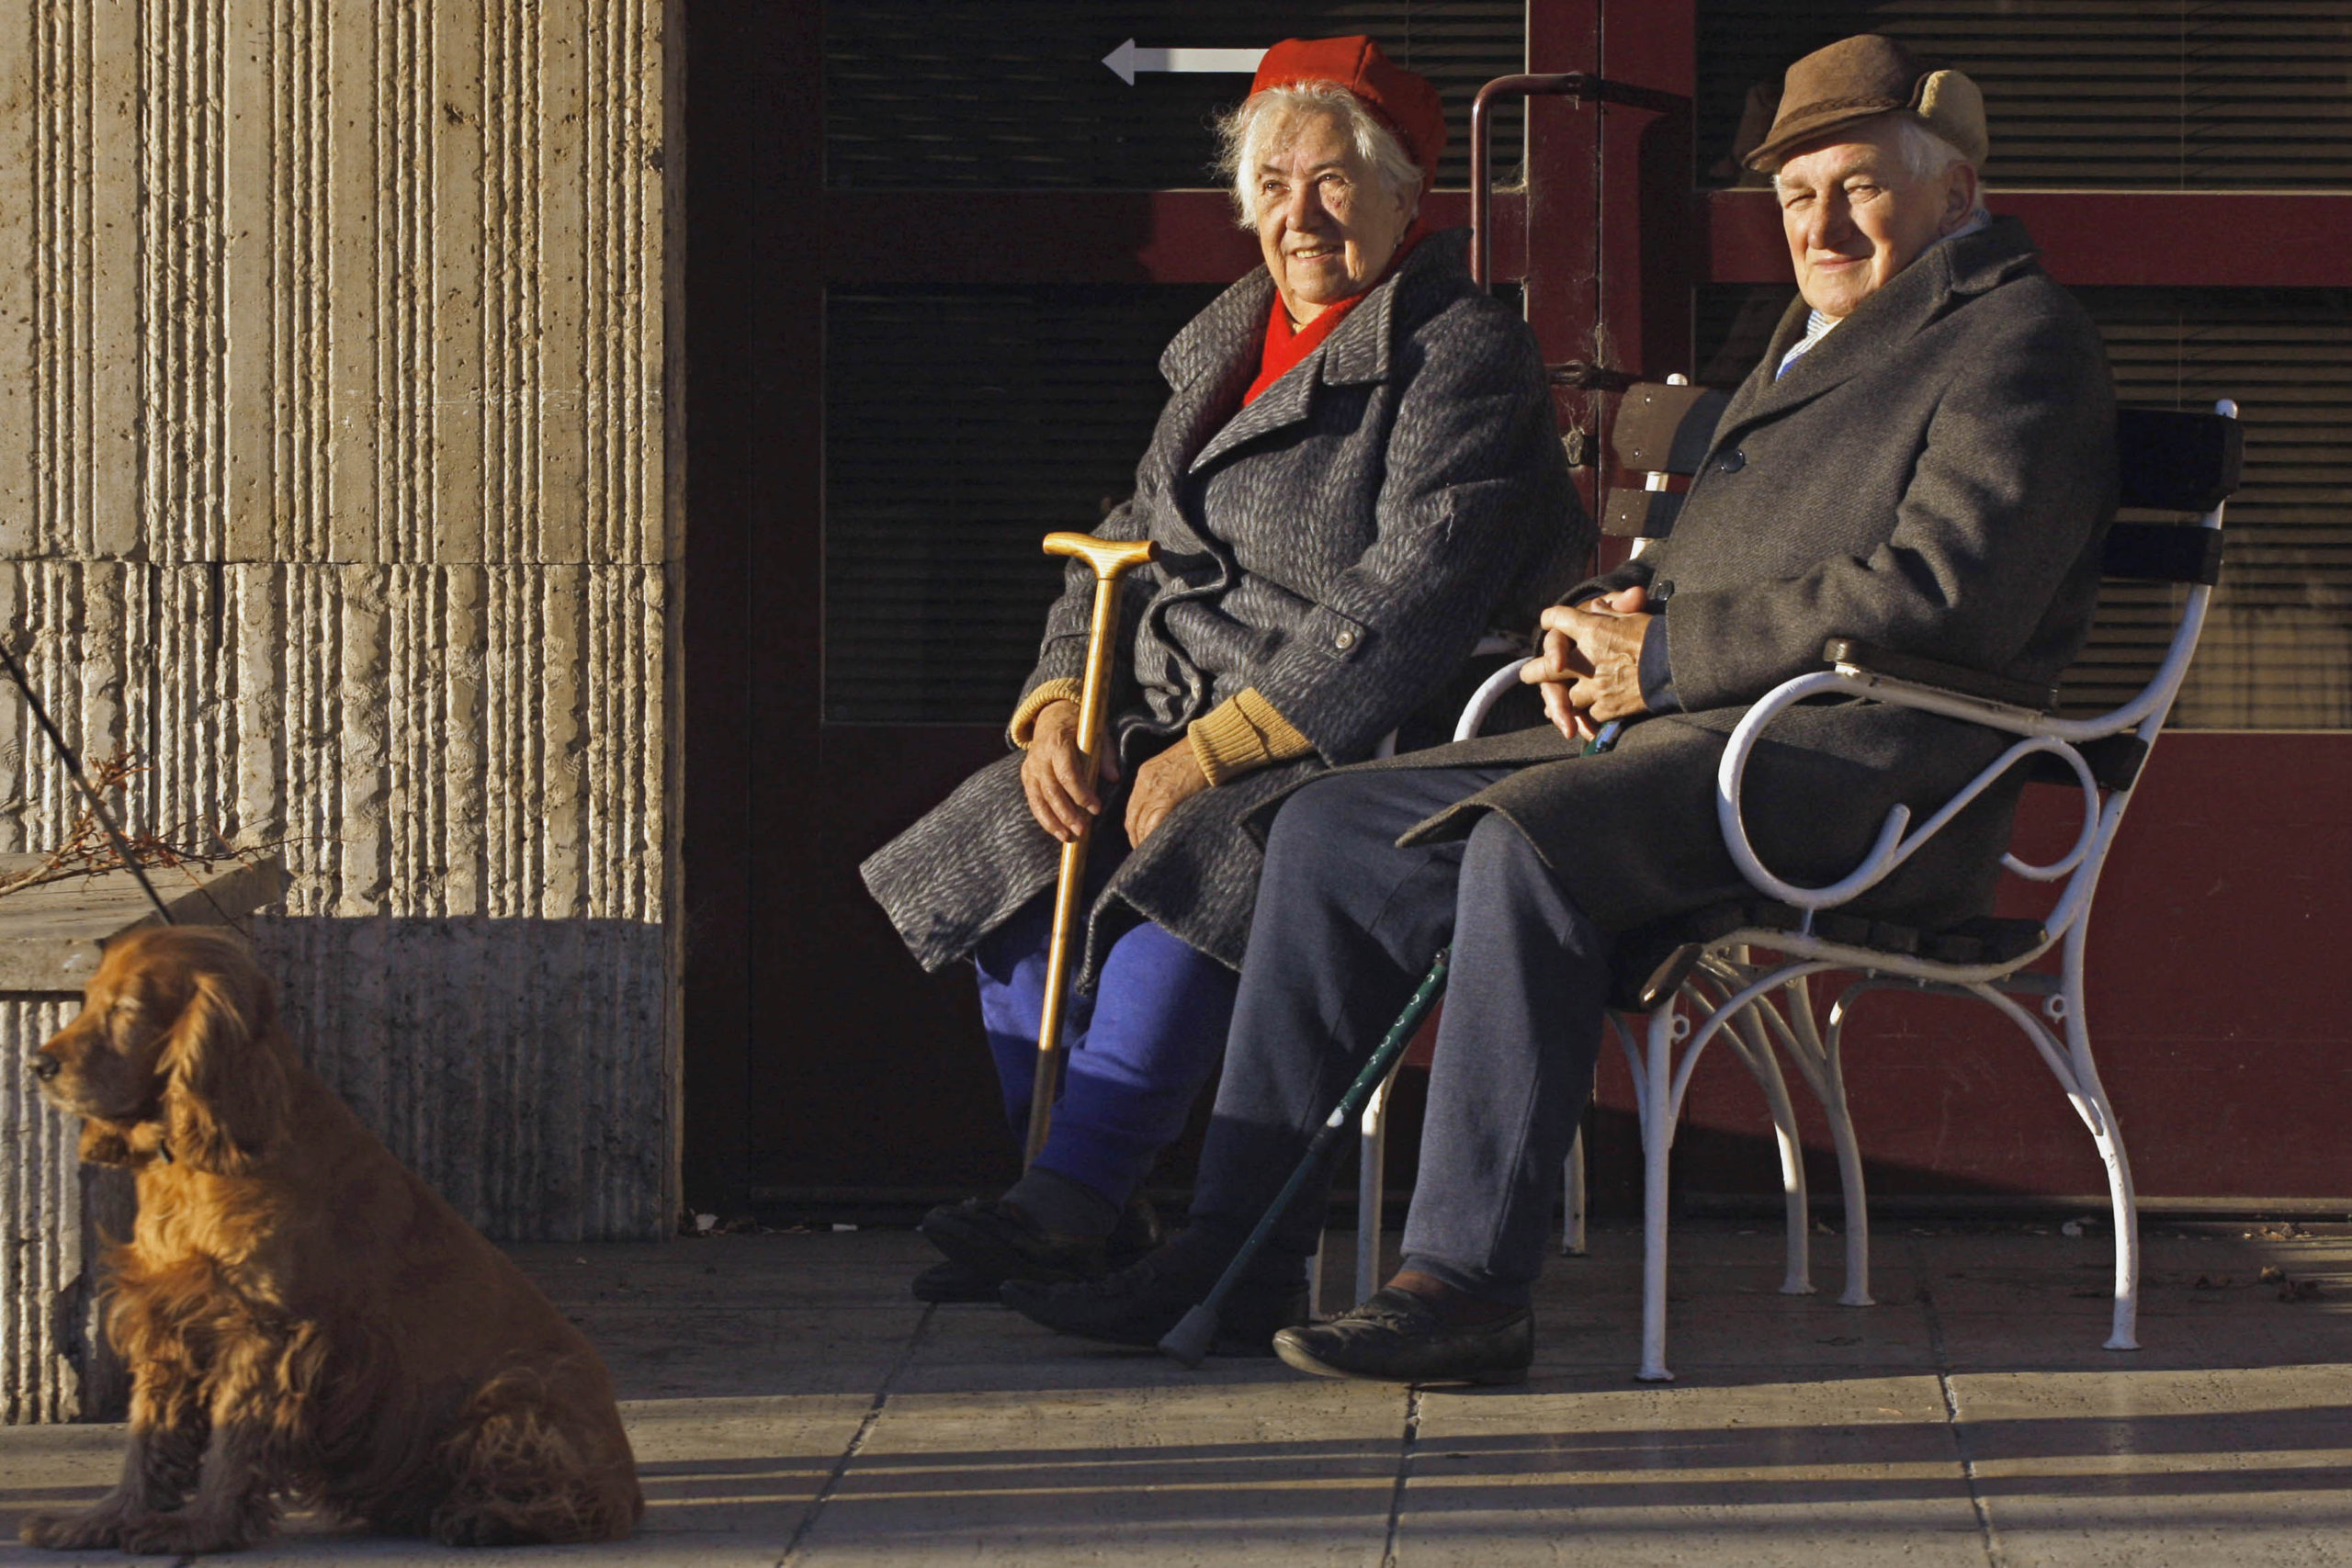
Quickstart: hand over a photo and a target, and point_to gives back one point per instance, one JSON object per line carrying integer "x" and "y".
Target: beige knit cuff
{"x": 1242, "y": 734}
{"x": 1025, "y": 717}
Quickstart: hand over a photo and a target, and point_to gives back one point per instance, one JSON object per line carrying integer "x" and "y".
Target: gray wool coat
{"x": 1935, "y": 476}
{"x": 1340, "y": 544}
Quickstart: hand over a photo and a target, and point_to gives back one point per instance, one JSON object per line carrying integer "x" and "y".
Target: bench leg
{"x": 2070, "y": 1063}
{"x": 1749, "y": 1039}
{"x": 2124, "y": 1330}
{"x": 1850, "y": 1163}
{"x": 1658, "y": 1139}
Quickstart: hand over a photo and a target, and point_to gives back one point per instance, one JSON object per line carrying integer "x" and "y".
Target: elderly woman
{"x": 1357, "y": 472}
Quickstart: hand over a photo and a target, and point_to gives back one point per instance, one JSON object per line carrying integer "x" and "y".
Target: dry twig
{"x": 197, "y": 845}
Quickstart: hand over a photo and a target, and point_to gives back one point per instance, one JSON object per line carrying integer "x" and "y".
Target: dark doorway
{"x": 933, "y": 251}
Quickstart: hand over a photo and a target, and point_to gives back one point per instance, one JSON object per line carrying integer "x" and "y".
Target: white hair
{"x": 1250, "y": 131}
{"x": 1924, "y": 154}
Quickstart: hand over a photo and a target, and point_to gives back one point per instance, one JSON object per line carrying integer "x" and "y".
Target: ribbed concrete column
{"x": 330, "y": 479}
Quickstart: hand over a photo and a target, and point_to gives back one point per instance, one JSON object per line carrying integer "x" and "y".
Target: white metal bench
{"x": 1745, "y": 975}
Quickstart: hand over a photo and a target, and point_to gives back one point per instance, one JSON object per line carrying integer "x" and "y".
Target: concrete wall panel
{"x": 459, "y": 766}
{"x": 43, "y": 1288}
{"x": 331, "y": 481}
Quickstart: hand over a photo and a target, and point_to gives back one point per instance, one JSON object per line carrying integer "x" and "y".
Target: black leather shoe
{"x": 1395, "y": 1337}
{"x": 989, "y": 1241}
{"x": 1141, "y": 1302}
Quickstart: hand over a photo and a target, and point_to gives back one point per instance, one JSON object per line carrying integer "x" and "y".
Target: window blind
{"x": 2277, "y": 652}
{"x": 961, "y": 427}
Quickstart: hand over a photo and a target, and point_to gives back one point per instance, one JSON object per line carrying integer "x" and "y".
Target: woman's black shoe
{"x": 989, "y": 1241}
{"x": 1138, "y": 1304}
{"x": 1395, "y": 1337}
{"x": 997, "y": 1239}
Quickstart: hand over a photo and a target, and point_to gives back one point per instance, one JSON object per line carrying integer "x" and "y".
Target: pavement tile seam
{"x": 1923, "y": 1292}
{"x": 858, "y": 1439}
{"x": 1396, "y": 1496}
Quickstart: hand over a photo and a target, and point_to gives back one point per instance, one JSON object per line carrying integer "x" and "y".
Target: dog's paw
{"x": 466, "y": 1531}
{"x": 185, "y": 1535}
{"x": 90, "y": 1531}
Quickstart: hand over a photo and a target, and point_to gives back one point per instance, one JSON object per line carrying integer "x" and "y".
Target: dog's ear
{"x": 226, "y": 1094}
{"x": 105, "y": 1143}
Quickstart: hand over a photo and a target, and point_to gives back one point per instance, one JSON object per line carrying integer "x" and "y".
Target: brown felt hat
{"x": 1862, "y": 77}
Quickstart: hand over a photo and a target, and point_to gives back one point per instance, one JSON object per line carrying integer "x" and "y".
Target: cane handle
{"x": 1109, "y": 558}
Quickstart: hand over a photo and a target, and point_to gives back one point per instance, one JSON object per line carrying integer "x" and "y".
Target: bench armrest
{"x": 1894, "y": 846}
{"x": 1862, "y": 658}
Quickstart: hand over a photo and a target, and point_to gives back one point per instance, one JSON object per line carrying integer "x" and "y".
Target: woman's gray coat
{"x": 1340, "y": 544}
{"x": 1935, "y": 478}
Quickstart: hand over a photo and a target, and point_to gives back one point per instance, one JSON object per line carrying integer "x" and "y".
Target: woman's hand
{"x": 1591, "y": 668}
{"x": 1052, "y": 776}
{"x": 1162, "y": 785}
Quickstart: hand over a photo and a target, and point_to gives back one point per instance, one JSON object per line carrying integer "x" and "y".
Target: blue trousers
{"x": 1346, "y": 926}
{"x": 1141, "y": 1047}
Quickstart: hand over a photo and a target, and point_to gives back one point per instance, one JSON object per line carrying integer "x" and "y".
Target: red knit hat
{"x": 1402, "y": 100}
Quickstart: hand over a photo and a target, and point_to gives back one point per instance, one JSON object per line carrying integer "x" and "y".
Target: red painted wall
{"x": 2221, "y": 1009}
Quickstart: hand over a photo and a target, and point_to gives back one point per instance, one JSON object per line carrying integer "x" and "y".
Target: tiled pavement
{"x": 791, "y": 1406}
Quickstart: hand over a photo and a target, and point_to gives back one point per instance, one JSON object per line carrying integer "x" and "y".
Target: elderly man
{"x": 1356, "y": 473}
{"x": 1924, "y": 460}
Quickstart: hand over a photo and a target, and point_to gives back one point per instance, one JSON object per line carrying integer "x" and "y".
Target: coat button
{"x": 1732, "y": 461}
{"x": 1343, "y": 639}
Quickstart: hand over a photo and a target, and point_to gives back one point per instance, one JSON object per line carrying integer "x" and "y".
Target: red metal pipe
{"x": 1562, "y": 85}
{"x": 1571, "y": 84}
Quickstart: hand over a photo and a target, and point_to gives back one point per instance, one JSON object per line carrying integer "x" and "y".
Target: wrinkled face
{"x": 1855, "y": 216}
{"x": 1327, "y": 222}
{"x": 106, "y": 1064}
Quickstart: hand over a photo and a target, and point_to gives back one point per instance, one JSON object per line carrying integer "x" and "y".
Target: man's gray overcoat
{"x": 1935, "y": 476}
{"x": 1339, "y": 545}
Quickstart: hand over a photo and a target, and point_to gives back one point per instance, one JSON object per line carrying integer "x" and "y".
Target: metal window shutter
{"x": 961, "y": 427}
{"x": 2276, "y": 653}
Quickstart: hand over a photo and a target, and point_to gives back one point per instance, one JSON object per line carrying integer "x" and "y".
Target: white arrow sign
{"x": 1126, "y": 59}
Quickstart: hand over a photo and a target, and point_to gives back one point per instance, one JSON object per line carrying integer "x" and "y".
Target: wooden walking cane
{"x": 1110, "y": 559}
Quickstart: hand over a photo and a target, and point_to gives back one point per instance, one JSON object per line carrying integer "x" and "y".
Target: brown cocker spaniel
{"x": 302, "y": 1315}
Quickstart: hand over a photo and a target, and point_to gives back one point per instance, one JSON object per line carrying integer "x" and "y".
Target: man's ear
{"x": 1961, "y": 192}
{"x": 225, "y": 1097}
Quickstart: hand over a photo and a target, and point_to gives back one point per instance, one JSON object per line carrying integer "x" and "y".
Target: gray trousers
{"x": 1346, "y": 926}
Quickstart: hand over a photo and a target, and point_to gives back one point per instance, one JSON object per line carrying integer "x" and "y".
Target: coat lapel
{"x": 1287, "y": 402}
{"x": 1784, "y": 336}
{"x": 1208, "y": 364}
